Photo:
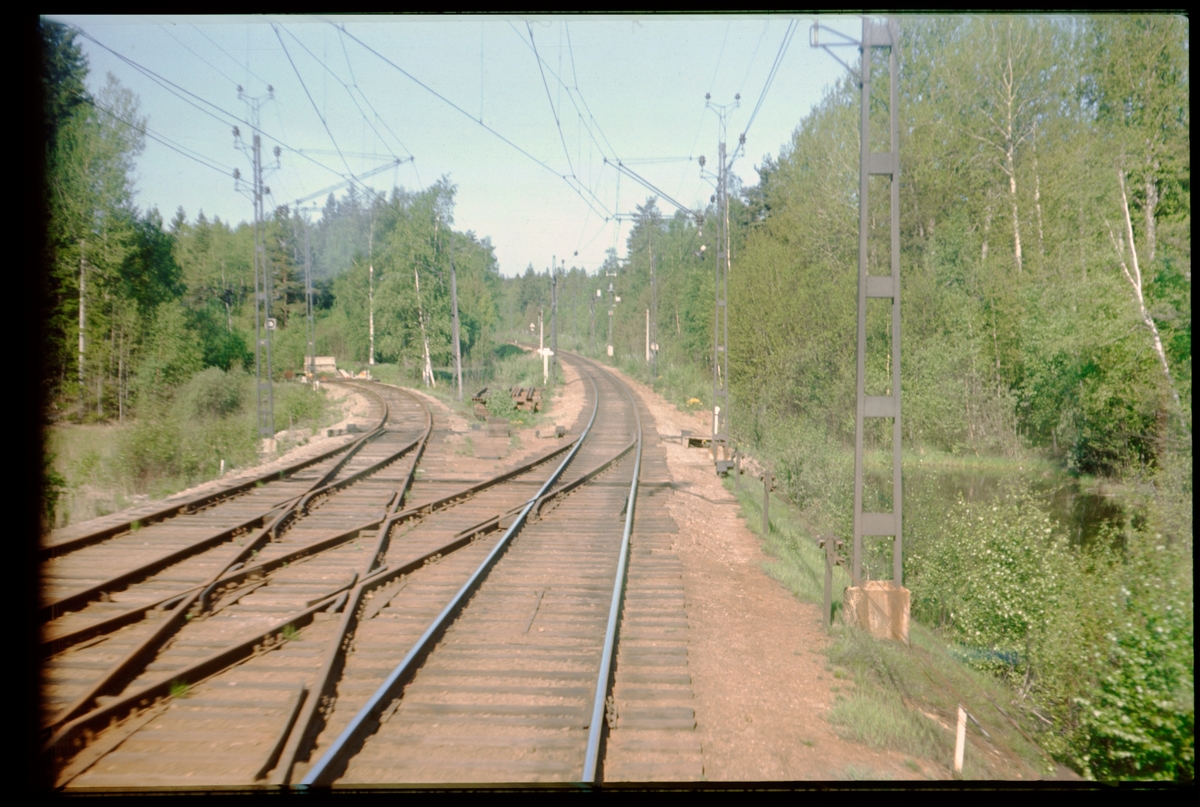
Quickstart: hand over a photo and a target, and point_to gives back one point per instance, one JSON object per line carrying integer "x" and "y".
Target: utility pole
{"x": 82, "y": 320}
{"x": 720, "y": 446}
{"x": 613, "y": 299}
{"x": 592, "y": 320}
{"x": 454, "y": 322}
{"x": 553, "y": 315}
{"x": 371, "y": 288}
{"x": 310, "y": 325}
{"x": 652, "y": 318}
{"x": 264, "y": 324}
{"x": 887, "y": 163}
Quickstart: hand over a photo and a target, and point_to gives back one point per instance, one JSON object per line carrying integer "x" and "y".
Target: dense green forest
{"x": 1045, "y": 210}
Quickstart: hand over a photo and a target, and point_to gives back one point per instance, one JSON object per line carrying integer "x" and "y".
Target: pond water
{"x": 1080, "y": 513}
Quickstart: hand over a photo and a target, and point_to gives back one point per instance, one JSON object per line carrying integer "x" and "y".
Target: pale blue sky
{"x": 630, "y": 87}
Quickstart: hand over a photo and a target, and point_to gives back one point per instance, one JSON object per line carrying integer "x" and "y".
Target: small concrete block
{"x": 879, "y": 608}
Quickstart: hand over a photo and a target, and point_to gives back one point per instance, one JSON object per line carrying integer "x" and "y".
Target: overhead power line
{"x": 167, "y": 31}
{"x": 571, "y": 93}
{"x": 227, "y": 54}
{"x": 636, "y": 177}
{"x": 783, "y": 46}
{"x": 344, "y": 86}
{"x": 549, "y": 100}
{"x": 195, "y": 156}
{"x": 180, "y": 93}
{"x": 342, "y": 42}
{"x": 466, "y": 114}
{"x": 310, "y": 99}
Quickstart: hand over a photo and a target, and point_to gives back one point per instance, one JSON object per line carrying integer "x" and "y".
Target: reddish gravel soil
{"x": 756, "y": 653}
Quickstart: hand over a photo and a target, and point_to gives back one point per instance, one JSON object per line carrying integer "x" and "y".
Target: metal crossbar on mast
{"x": 886, "y": 287}
{"x": 867, "y": 523}
{"x": 264, "y": 324}
{"x": 720, "y": 442}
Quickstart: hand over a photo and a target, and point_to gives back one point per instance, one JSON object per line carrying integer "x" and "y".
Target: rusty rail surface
{"x": 55, "y": 549}
{"x": 74, "y": 736}
{"x": 194, "y": 601}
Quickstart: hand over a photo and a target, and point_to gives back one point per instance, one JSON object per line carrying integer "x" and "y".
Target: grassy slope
{"x": 903, "y": 698}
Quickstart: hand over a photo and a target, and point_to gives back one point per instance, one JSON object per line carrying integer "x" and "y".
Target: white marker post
{"x": 546, "y": 354}
{"x": 960, "y": 740}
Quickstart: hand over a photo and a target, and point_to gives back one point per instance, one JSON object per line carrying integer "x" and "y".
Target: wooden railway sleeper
{"x": 70, "y": 735}
{"x": 333, "y": 761}
{"x": 200, "y": 502}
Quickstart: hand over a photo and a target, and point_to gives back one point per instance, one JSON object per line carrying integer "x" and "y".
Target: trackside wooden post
{"x": 960, "y": 739}
{"x": 766, "y": 502}
{"x": 831, "y": 545}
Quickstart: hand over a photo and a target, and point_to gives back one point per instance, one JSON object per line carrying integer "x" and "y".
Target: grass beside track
{"x": 896, "y": 697}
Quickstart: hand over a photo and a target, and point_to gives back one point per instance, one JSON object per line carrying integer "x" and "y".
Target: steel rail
{"x": 189, "y": 606}
{"x": 67, "y": 737}
{"x": 51, "y": 646}
{"x": 82, "y": 597}
{"x": 333, "y": 761}
{"x": 73, "y": 736}
{"x": 604, "y": 680}
{"x": 297, "y": 746}
{"x": 47, "y": 551}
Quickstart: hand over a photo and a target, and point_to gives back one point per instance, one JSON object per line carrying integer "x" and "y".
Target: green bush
{"x": 148, "y": 451}
{"x": 994, "y": 573}
{"x": 500, "y": 404}
{"x": 213, "y": 393}
{"x": 1099, "y": 641}
{"x": 300, "y": 403}
{"x": 1115, "y": 669}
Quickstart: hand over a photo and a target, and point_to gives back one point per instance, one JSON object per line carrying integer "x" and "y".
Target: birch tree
{"x": 1141, "y": 95}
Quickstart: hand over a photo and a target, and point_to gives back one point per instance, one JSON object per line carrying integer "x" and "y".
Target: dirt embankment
{"x": 757, "y": 655}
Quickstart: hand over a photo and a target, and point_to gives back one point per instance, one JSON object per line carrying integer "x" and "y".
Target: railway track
{"x": 134, "y": 590}
{"x": 473, "y": 635}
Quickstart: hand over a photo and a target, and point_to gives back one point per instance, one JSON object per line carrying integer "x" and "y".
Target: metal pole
{"x": 611, "y": 295}
{"x": 653, "y": 325}
{"x": 766, "y": 502}
{"x": 553, "y": 315}
{"x": 720, "y": 391}
{"x": 308, "y": 293}
{"x": 592, "y": 321}
{"x": 371, "y": 292}
{"x": 82, "y": 320}
{"x": 262, "y": 307}
{"x": 897, "y": 489}
{"x": 454, "y": 310}
{"x": 888, "y": 287}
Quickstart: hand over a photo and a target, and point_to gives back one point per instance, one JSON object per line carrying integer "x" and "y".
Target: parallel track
{"x": 469, "y": 637}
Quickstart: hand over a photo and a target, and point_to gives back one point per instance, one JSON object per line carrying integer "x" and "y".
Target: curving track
{"x": 470, "y": 636}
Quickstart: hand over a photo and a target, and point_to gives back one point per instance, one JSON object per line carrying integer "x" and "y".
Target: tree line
{"x": 140, "y": 305}
{"x": 1045, "y": 249}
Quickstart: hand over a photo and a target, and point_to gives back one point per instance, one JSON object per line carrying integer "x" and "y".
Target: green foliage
{"x": 212, "y": 393}
{"x": 1103, "y": 636}
{"x": 172, "y": 353}
{"x": 209, "y": 418}
{"x": 994, "y": 573}
{"x": 54, "y": 485}
{"x": 500, "y": 404}
{"x": 299, "y": 404}
{"x": 892, "y": 684}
